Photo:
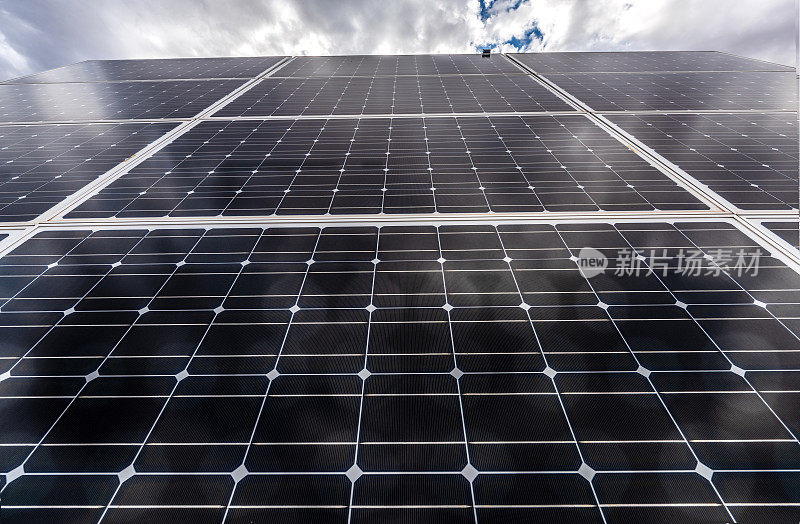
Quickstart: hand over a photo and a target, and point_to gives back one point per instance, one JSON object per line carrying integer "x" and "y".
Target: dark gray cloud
{"x": 41, "y": 34}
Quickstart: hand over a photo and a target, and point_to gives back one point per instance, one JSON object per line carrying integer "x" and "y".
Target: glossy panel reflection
{"x": 42, "y": 165}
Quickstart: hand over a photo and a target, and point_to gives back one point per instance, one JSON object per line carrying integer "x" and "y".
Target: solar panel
{"x": 110, "y": 100}
{"x": 42, "y": 165}
{"x": 402, "y": 165}
{"x": 400, "y": 288}
{"x": 447, "y": 348}
{"x": 158, "y": 69}
{"x": 644, "y": 61}
{"x": 749, "y": 159}
{"x": 375, "y": 65}
{"x": 394, "y": 95}
{"x": 760, "y": 91}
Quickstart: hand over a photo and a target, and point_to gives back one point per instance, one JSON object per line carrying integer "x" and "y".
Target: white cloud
{"x": 757, "y": 28}
{"x": 42, "y": 34}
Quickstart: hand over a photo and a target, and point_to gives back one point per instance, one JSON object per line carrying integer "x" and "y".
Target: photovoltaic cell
{"x": 159, "y": 69}
{"x": 749, "y": 159}
{"x": 403, "y": 372}
{"x": 760, "y": 91}
{"x": 42, "y": 165}
{"x": 644, "y": 61}
{"x": 110, "y": 100}
{"x": 391, "y": 65}
{"x": 394, "y": 95}
{"x": 402, "y": 165}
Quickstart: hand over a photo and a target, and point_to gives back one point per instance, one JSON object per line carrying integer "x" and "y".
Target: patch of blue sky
{"x": 519, "y": 43}
{"x": 534, "y": 33}
{"x": 488, "y": 8}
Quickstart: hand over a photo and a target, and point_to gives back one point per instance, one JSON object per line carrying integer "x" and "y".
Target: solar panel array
{"x": 355, "y": 289}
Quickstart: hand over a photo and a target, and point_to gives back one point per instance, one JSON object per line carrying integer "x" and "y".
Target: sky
{"x": 36, "y": 35}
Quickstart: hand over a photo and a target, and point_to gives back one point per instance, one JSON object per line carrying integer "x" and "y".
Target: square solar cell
{"x": 643, "y": 61}
{"x": 394, "y": 95}
{"x": 42, "y": 165}
{"x": 759, "y": 91}
{"x": 110, "y": 100}
{"x": 157, "y": 69}
{"x": 749, "y": 159}
{"x": 402, "y": 165}
{"x": 423, "y": 372}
